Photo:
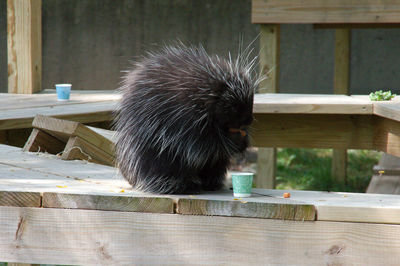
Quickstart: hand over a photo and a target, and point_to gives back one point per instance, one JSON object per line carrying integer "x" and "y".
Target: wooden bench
{"x": 340, "y": 15}
{"x": 74, "y": 212}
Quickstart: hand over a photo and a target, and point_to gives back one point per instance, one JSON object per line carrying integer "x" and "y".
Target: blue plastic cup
{"x": 63, "y": 91}
{"x": 242, "y": 184}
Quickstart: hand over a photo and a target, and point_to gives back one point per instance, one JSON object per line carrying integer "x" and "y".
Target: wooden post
{"x": 341, "y": 86}
{"x": 269, "y": 67}
{"x": 24, "y": 44}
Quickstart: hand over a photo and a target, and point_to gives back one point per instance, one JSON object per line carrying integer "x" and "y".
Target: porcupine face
{"x": 234, "y": 115}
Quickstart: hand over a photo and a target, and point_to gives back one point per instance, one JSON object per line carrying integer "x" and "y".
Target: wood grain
{"x": 286, "y": 103}
{"x": 18, "y": 111}
{"x": 24, "y": 39}
{"x": 243, "y": 208}
{"x": 85, "y": 237}
{"x": 80, "y": 149}
{"x": 313, "y": 131}
{"x": 269, "y": 58}
{"x": 341, "y": 84}
{"x": 20, "y": 199}
{"x": 387, "y": 136}
{"x": 108, "y": 203}
{"x": 269, "y": 70}
{"x": 327, "y": 11}
{"x": 388, "y": 109}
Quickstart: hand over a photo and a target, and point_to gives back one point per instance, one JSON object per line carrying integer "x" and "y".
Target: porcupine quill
{"x": 182, "y": 115}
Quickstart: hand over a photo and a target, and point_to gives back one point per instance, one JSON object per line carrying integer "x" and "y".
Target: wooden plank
{"x": 20, "y": 199}
{"x": 108, "y": 202}
{"x": 43, "y": 142}
{"x": 387, "y": 136}
{"x": 39, "y": 172}
{"x": 24, "y": 39}
{"x": 82, "y": 237}
{"x": 108, "y": 134}
{"x": 83, "y": 113}
{"x": 269, "y": 58}
{"x": 78, "y": 148}
{"x": 341, "y": 83}
{"x": 269, "y": 68}
{"x": 357, "y": 26}
{"x": 49, "y": 98}
{"x": 328, "y": 11}
{"x": 344, "y": 207}
{"x": 266, "y": 168}
{"x": 388, "y": 109}
{"x": 244, "y": 208}
{"x": 286, "y": 103}
{"x": 359, "y": 214}
{"x": 342, "y": 62}
{"x": 314, "y": 131}
{"x": 71, "y": 128}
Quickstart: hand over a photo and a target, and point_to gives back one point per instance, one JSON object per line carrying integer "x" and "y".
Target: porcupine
{"x": 182, "y": 115}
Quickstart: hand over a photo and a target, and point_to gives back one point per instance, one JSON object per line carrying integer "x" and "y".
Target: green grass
{"x": 310, "y": 169}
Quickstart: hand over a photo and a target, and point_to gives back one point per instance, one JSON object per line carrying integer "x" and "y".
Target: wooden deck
{"x": 73, "y": 212}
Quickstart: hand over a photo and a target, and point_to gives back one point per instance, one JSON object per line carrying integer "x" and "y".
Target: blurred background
{"x": 88, "y": 43}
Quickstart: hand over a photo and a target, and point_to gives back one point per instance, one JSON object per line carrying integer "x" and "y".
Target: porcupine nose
{"x": 240, "y": 130}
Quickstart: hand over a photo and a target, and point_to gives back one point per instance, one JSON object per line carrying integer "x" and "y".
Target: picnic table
{"x": 79, "y": 213}
{"x": 281, "y": 120}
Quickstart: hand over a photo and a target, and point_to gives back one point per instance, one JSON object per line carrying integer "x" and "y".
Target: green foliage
{"x": 381, "y": 96}
{"x": 310, "y": 169}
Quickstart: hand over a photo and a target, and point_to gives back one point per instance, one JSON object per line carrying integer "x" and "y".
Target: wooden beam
{"x": 269, "y": 58}
{"x": 88, "y": 237}
{"x": 24, "y": 39}
{"x": 342, "y": 62}
{"x": 357, "y": 26}
{"x": 327, "y": 11}
{"x": 275, "y": 210}
{"x": 341, "y": 84}
{"x": 20, "y": 199}
{"x": 269, "y": 67}
{"x": 387, "y": 136}
{"x": 108, "y": 202}
{"x": 316, "y": 131}
{"x": 80, "y": 149}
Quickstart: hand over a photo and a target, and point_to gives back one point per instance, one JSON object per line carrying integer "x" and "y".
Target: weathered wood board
{"x": 24, "y": 45}
{"x": 327, "y": 11}
{"x": 18, "y": 111}
{"x": 72, "y": 140}
{"x": 285, "y": 103}
{"x": 85, "y": 237}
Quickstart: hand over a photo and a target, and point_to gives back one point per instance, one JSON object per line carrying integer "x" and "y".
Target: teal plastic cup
{"x": 63, "y": 91}
{"x": 242, "y": 184}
